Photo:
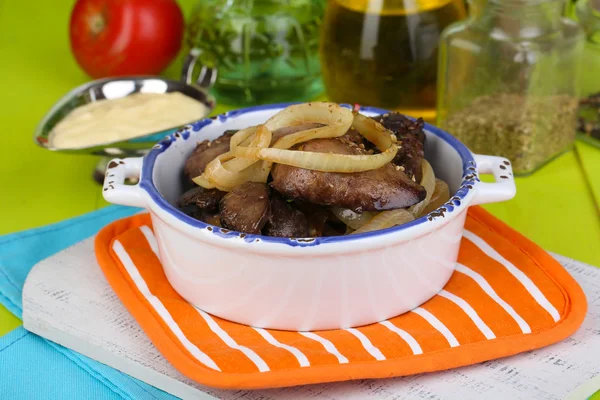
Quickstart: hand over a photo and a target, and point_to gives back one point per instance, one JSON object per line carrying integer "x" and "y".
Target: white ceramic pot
{"x": 305, "y": 284}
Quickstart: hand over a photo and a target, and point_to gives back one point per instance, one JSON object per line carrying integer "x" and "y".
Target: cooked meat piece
{"x": 201, "y": 215}
{"x": 206, "y": 199}
{"x": 201, "y": 204}
{"x": 410, "y": 156}
{"x": 193, "y": 211}
{"x": 288, "y": 130}
{"x": 285, "y": 220}
{"x": 341, "y": 145}
{"x": 213, "y": 219}
{"x": 355, "y": 137}
{"x": 334, "y": 229}
{"x": 317, "y": 217}
{"x": 385, "y": 188}
{"x": 410, "y": 134}
{"x": 246, "y": 208}
{"x": 204, "y": 153}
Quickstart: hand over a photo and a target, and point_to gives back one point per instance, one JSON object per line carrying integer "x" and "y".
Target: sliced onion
{"x": 264, "y": 170}
{"x": 226, "y": 171}
{"x": 250, "y": 153}
{"x": 428, "y": 182}
{"x": 238, "y": 164}
{"x": 324, "y": 162}
{"x": 386, "y": 219}
{"x": 373, "y": 131}
{"x": 216, "y": 165}
{"x": 204, "y": 182}
{"x": 261, "y": 139}
{"x": 441, "y": 194}
{"x": 337, "y": 121}
{"x": 242, "y": 136}
{"x": 352, "y": 219}
{"x": 251, "y": 145}
{"x": 225, "y": 180}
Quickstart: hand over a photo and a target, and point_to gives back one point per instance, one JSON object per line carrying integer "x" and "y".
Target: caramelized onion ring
{"x": 337, "y": 121}
{"x": 441, "y": 194}
{"x": 260, "y": 140}
{"x": 250, "y": 145}
{"x": 323, "y": 162}
{"x": 352, "y": 219}
{"x": 373, "y": 131}
{"x": 226, "y": 171}
{"x": 242, "y": 136}
{"x": 386, "y": 219}
{"x": 428, "y": 182}
{"x": 202, "y": 181}
{"x": 221, "y": 178}
{"x": 343, "y": 163}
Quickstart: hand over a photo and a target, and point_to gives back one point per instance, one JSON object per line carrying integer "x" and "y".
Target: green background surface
{"x": 557, "y": 207}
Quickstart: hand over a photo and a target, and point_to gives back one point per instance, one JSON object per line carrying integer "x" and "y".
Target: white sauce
{"x": 107, "y": 121}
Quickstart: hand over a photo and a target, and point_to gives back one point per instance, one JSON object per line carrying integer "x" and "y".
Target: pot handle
{"x": 503, "y": 189}
{"x": 116, "y": 191}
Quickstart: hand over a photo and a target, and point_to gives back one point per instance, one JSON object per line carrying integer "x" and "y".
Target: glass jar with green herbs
{"x": 256, "y": 51}
{"x": 507, "y": 83}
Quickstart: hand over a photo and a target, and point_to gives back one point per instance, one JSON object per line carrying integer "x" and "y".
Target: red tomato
{"x": 125, "y": 37}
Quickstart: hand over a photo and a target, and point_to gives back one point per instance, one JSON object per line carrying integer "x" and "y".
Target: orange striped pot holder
{"x": 506, "y": 296}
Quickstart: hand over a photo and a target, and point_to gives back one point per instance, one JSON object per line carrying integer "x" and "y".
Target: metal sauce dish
{"x": 114, "y": 88}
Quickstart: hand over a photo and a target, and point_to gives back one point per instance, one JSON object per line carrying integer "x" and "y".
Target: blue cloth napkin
{"x": 34, "y": 368}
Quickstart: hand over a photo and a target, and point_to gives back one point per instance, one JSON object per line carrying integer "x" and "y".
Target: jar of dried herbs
{"x": 508, "y": 80}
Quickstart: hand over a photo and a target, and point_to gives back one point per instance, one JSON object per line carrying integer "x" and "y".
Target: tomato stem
{"x": 96, "y": 23}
